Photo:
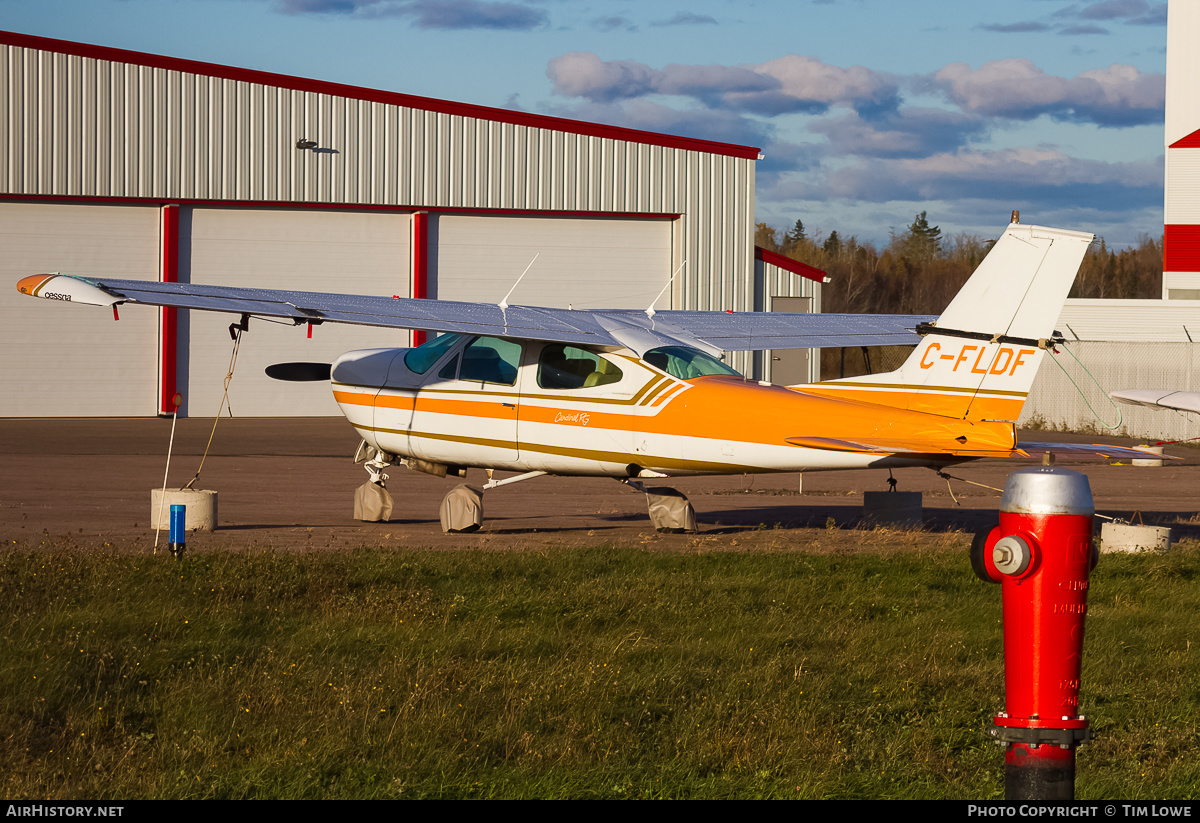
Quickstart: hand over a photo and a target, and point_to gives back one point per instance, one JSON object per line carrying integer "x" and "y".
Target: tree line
{"x": 919, "y": 270}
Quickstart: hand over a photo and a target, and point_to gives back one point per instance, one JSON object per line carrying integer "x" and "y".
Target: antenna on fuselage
{"x": 650, "y": 309}
{"x": 504, "y": 303}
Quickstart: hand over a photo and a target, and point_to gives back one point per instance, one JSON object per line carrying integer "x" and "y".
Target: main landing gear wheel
{"x": 372, "y": 503}
{"x": 462, "y": 510}
{"x": 670, "y": 511}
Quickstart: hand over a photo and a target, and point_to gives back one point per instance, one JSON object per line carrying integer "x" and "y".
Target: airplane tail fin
{"x": 979, "y": 359}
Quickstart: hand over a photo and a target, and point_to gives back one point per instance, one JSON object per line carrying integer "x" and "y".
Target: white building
{"x": 1142, "y": 344}
{"x": 1181, "y": 237}
{"x": 132, "y": 165}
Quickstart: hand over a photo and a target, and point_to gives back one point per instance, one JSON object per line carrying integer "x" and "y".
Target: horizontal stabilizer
{"x": 884, "y": 446}
{"x": 1084, "y": 450}
{"x": 1188, "y": 401}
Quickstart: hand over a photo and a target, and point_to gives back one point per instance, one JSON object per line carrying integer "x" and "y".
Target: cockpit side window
{"x": 686, "y": 363}
{"x": 422, "y": 358}
{"x": 491, "y": 360}
{"x": 567, "y": 367}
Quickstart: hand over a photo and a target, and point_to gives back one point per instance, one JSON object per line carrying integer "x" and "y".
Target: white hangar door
{"x": 75, "y": 361}
{"x": 588, "y": 263}
{"x": 346, "y": 252}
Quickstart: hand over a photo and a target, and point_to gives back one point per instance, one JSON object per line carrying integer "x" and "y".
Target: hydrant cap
{"x": 1047, "y": 490}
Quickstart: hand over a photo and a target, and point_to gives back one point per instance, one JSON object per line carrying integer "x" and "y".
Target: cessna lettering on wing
{"x": 1006, "y": 361}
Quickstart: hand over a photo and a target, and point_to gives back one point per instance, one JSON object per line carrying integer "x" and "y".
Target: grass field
{"x": 606, "y": 672}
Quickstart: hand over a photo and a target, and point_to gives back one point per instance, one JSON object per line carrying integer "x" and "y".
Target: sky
{"x": 865, "y": 111}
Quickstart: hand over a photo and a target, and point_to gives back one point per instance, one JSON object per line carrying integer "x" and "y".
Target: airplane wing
{"x": 1188, "y": 401}
{"x": 711, "y": 331}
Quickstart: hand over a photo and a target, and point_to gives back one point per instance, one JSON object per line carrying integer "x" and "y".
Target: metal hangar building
{"x": 132, "y": 165}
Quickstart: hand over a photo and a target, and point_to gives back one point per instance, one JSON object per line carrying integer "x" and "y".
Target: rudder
{"x": 979, "y": 359}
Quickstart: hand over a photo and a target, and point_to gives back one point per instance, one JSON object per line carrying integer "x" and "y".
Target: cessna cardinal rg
{"x": 634, "y": 395}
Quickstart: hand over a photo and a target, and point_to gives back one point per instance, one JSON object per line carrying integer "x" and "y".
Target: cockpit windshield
{"x": 685, "y": 363}
{"x": 420, "y": 359}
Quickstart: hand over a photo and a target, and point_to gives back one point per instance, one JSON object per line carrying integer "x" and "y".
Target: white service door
{"x": 588, "y": 263}
{"x": 75, "y": 361}
{"x": 345, "y": 252}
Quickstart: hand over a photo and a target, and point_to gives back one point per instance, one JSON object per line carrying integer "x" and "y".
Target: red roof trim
{"x": 377, "y": 96}
{"x": 1192, "y": 141}
{"x": 298, "y": 204}
{"x": 788, "y": 264}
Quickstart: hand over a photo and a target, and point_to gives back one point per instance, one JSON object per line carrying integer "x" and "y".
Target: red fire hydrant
{"x": 1041, "y": 555}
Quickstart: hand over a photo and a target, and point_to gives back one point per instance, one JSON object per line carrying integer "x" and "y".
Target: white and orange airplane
{"x": 642, "y": 394}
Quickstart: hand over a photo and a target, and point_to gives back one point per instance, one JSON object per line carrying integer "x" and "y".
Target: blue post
{"x": 178, "y": 532}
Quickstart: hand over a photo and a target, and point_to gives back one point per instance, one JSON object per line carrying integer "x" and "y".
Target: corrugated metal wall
{"x": 1182, "y": 198}
{"x": 1136, "y": 321}
{"x": 1114, "y": 345}
{"x": 1066, "y": 396}
{"x": 79, "y": 126}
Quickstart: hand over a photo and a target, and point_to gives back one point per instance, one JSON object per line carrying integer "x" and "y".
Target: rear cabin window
{"x": 567, "y": 367}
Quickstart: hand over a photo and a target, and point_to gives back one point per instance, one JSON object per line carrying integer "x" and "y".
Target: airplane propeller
{"x": 299, "y": 372}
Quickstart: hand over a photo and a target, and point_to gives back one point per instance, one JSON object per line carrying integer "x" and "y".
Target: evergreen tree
{"x": 796, "y": 234}
{"x": 833, "y": 244}
{"x": 923, "y": 241}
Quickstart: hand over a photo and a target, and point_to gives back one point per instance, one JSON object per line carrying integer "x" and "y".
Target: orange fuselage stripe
{"x": 727, "y": 408}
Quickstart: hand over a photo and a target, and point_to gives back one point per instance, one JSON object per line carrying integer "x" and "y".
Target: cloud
{"x": 613, "y": 24}
{"x": 583, "y": 74}
{"x": 1016, "y": 88}
{"x": 912, "y": 132}
{"x": 430, "y": 14}
{"x": 1131, "y": 12}
{"x": 808, "y": 80}
{"x": 473, "y": 14}
{"x": 687, "y": 18}
{"x": 1017, "y": 176}
{"x": 648, "y": 115}
{"x": 788, "y": 84}
{"x": 1015, "y": 28}
{"x": 1115, "y": 9}
{"x": 1076, "y": 21}
{"x": 321, "y": 6}
{"x": 1157, "y": 16}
